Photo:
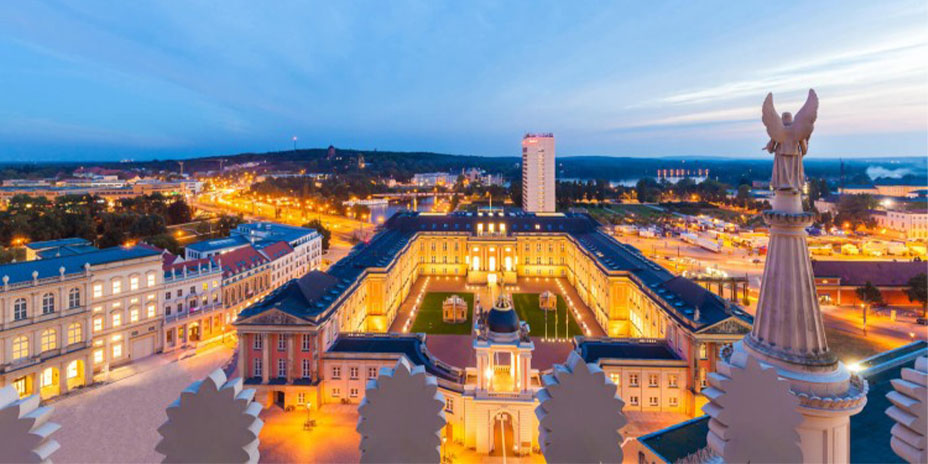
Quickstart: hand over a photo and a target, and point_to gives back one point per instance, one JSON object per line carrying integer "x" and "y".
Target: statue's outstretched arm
{"x": 772, "y": 120}
{"x": 805, "y": 118}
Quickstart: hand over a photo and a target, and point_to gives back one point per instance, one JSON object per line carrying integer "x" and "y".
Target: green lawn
{"x": 526, "y": 305}
{"x": 428, "y": 318}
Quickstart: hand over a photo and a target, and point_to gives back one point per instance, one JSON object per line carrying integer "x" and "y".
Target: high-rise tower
{"x": 538, "y": 173}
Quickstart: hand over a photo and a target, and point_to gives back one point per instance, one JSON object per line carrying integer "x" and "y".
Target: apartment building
{"x": 192, "y": 299}
{"x": 538, "y": 173}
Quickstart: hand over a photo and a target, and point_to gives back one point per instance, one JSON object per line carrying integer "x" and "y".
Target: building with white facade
{"x": 192, "y": 299}
{"x": 64, "y": 318}
{"x": 538, "y": 173}
{"x": 907, "y": 224}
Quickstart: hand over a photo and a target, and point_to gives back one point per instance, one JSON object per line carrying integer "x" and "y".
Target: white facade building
{"x": 538, "y": 173}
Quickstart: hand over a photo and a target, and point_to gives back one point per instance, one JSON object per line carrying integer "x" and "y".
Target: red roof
{"x": 277, "y": 250}
{"x": 879, "y": 273}
{"x": 241, "y": 260}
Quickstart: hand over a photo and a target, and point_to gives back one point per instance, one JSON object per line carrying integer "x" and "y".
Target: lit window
{"x": 75, "y": 333}
{"x": 117, "y": 350}
{"x": 97, "y": 290}
{"x": 97, "y": 324}
{"x": 97, "y": 356}
{"x": 151, "y": 310}
{"x": 151, "y": 280}
{"x": 20, "y": 347}
{"x": 703, "y": 351}
{"x": 301, "y": 398}
{"x": 205, "y": 286}
{"x": 134, "y": 283}
{"x": 117, "y": 320}
{"x": 616, "y": 379}
{"x": 117, "y": 287}
{"x": 49, "y": 339}
{"x": 133, "y": 315}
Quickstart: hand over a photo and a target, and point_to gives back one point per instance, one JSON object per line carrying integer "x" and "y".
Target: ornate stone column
{"x": 789, "y": 335}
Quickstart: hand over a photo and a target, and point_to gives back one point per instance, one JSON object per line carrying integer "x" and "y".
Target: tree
{"x": 323, "y": 231}
{"x": 854, "y": 211}
{"x": 918, "y": 291}
{"x": 648, "y": 190}
{"x": 870, "y": 296}
{"x": 744, "y": 194}
{"x": 228, "y": 222}
{"x": 178, "y": 212}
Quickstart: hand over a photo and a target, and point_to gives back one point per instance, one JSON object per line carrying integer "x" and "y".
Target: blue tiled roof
{"x": 22, "y": 272}
{"x": 66, "y": 251}
{"x": 218, "y": 244}
{"x": 593, "y": 349}
{"x": 272, "y": 231}
{"x": 72, "y": 241}
{"x": 410, "y": 346}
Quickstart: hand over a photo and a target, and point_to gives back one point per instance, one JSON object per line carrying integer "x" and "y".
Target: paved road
{"x": 119, "y": 422}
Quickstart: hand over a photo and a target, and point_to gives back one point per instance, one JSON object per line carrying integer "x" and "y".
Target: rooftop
{"x": 45, "y": 268}
{"x": 240, "y": 260}
{"x": 72, "y": 241}
{"x": 858, "y": 273}
{"x": 411, "y": 346}
{"x": 595, "y": 349}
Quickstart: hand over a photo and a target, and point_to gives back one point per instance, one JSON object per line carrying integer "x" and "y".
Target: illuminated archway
{"x": 49, "y": 382}
{"x": 74, "y": 374}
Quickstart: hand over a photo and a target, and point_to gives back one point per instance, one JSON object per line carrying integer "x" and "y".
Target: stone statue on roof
{"x": 789, "y": 141}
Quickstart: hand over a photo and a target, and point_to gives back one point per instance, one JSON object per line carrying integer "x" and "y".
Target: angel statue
{"x": 789, "y": 141}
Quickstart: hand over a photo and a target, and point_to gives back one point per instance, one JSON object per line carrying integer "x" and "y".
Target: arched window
{"x": 48, "y": 303}
{"x": 19, "y": 309}
{"x": 49, "y": 339}
{"x": 20, "y": 347}
{"x": 74, "y": 297}
{"x": 75, "y": 333}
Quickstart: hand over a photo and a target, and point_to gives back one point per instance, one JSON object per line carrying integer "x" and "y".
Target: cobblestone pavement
{"x": 118, "y": 422}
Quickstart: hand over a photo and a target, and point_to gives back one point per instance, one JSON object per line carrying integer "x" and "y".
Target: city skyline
{"x": 109, "y": 82}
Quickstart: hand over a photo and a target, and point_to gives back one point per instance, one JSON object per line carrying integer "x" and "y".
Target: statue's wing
{"x": 805, "y": 118}
{"x": 772, "y": 120}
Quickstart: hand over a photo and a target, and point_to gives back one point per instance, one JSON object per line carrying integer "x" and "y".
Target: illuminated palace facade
{"x": 290, "y": 338}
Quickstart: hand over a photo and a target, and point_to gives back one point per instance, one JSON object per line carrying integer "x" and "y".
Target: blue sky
{"x": 110, "y": 80}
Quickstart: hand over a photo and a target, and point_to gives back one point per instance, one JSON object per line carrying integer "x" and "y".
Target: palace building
{"x": 317, "y": 339}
